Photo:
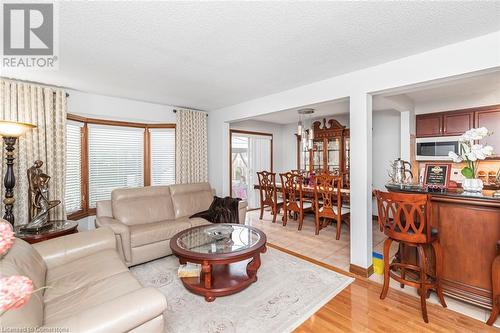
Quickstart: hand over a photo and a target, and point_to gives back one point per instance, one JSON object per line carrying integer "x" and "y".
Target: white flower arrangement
{"x": 472, "y": 153}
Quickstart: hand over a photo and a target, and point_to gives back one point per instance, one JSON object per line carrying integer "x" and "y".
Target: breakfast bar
{"x": 469, "y": 229}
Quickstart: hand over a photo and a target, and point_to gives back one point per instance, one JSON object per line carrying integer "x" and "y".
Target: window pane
{"x": 162, "y": 156}
{"x": 116, "y": 160}
{"x": 73, "y": 195}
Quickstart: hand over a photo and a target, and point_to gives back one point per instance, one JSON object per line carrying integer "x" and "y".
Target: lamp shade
{"x": 13, "y": 129}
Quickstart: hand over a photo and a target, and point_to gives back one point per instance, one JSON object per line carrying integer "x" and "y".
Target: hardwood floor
{"x": 358, "y": 308}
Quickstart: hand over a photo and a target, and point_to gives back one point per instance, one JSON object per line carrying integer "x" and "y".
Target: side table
{"x": 59, "y": 228}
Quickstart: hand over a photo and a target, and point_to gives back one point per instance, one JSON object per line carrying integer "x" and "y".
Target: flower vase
{"x": 473, "y": 185}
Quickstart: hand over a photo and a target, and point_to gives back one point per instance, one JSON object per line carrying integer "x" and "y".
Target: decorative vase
{"x": 474, "y": 185}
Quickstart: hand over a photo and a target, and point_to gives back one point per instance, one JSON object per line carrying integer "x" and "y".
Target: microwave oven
{"x": 436, "y": 148}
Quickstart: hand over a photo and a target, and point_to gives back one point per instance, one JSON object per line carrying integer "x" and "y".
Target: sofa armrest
{"x": 122, "y": 234}
{"x": 61, "y": 250}
{"x": 242, "y": 211}
{"x": 122, "y": 314}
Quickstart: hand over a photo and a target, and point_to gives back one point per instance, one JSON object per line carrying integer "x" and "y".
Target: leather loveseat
{"x": 89, "y": 289}
{"x": 145, "y": 219}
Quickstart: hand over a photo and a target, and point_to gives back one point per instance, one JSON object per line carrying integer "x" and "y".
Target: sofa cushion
{"x": 89, "y": 296}
{"x": 188, "y": 199}
{"x": 142, "y": 234}
{"x": 27, "y": 261}
{"x": 142, "y": 205}
{"x": 197, "y": 221}
{"x": 22, "y": 259}
{"x": 82, "y": 272}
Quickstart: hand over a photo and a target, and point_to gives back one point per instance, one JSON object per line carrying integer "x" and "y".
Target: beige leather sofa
{"x": 89, "y": 288}
{"x": 145, "y": 219}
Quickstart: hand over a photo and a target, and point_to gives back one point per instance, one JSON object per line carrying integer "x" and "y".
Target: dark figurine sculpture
{"x": 38, "y": 201}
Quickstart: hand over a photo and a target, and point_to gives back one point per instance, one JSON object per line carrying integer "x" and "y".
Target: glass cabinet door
{"x": 318, "y": 155}
{"x": 347, "y": 145}
{"x": 304, "y": 159}
{"x": 333, "y": 154}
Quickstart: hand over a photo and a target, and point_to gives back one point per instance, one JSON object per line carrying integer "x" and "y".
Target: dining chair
{"x": 293, "y": 196}
{"x": 405, "y": 219}
{"x": 328, "y": 201}
{"x": 268, "y": 193}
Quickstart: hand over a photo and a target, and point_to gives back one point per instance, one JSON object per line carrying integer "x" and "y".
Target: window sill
{"x": 75, "y": 216}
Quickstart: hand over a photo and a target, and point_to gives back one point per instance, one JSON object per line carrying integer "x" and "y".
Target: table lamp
{"x": 10, "y": 131}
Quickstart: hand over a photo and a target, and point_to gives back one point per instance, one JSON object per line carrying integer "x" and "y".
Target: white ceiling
{"x": 457, "y": 89}
{"x": 481, "y": 84}
{"x": 321, "y": 110}
{"x": 208, "y": 55}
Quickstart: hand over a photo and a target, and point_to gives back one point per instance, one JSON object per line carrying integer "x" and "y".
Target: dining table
{"x": 307, "y": 189}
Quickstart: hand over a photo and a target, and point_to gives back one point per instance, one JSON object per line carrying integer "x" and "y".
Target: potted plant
{"x": 471, "y": 153}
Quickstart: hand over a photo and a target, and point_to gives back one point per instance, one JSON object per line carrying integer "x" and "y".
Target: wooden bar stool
{"x": 495, "y": 281}
{"x": 291, "y": 186}
{"x": 268, "y": 193}
{"x": 405, "y": 218}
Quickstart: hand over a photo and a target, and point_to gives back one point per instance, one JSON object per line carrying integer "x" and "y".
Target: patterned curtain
{"x": 191, "y": 147}
{"x": 46, "y": 108}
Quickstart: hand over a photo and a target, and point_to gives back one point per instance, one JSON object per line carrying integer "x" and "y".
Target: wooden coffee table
{"x": 223, "y": 251}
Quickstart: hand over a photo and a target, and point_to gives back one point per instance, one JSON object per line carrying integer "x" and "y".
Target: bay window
{"x": 104, "y": 155}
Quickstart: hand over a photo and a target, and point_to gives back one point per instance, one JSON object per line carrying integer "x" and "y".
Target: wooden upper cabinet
{"x": 490, "y": 118}
{"x": 457, "y": 123}
{"x": 429, "y": 125}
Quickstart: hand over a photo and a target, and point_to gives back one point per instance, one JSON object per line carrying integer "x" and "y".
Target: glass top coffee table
{"x": 223, "y": 250}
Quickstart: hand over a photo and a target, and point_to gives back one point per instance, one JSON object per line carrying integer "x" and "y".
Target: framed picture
{"x": 437, "y": 175}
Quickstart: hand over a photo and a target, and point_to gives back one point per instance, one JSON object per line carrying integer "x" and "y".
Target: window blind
{"x": 162, "y": 141}
{"x": 116, "y": 160}
{"x": 73, "y": 190}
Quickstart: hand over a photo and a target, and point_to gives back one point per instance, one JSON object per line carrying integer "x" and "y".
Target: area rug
{"x": 288, "y": 291}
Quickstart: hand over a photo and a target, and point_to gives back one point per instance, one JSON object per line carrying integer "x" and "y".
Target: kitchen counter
{"x": 448, "y": 193}
{"x": 469, "y": 228}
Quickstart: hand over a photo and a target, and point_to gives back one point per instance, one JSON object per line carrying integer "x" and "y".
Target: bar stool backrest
{"x": 404, "y": 217}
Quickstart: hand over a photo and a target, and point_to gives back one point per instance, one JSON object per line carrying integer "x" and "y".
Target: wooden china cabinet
{"x": 330, "y": 151}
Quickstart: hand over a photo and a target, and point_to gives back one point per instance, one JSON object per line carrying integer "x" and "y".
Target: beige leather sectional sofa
{"x": 145, "y": 219}
{"x": 89, "y": 288}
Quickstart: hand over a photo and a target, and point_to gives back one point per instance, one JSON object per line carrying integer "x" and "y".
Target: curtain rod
{"x": 37, "y": 83}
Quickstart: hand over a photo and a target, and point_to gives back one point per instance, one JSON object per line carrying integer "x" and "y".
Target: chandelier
{"x": 306, "y": 133}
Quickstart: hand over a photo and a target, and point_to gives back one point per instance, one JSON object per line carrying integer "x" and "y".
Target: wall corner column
{"x": 407, "y": 133}
{"x": 361, "y": 183}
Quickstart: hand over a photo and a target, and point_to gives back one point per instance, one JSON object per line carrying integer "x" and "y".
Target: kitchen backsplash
{"x": 487, "y": 171}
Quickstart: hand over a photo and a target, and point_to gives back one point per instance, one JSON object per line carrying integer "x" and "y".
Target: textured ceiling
{"x": 325, "y": 109}
{"x": 208, "y": 55}
{"x": 453, "y": 89}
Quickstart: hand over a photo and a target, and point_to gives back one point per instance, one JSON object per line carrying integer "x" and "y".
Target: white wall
{"x": 284, "y": 139}
{"x": 474, "y": 55}
{"x": 386, "y": 142}
{"x": 113, "y": 108}
{"x": 478, "y": 54}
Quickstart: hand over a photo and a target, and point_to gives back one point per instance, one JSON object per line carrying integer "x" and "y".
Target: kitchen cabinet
{"x": 490, "y": 118}
{"x": 457, "y": 123}
{"x": 429, "y": 125}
